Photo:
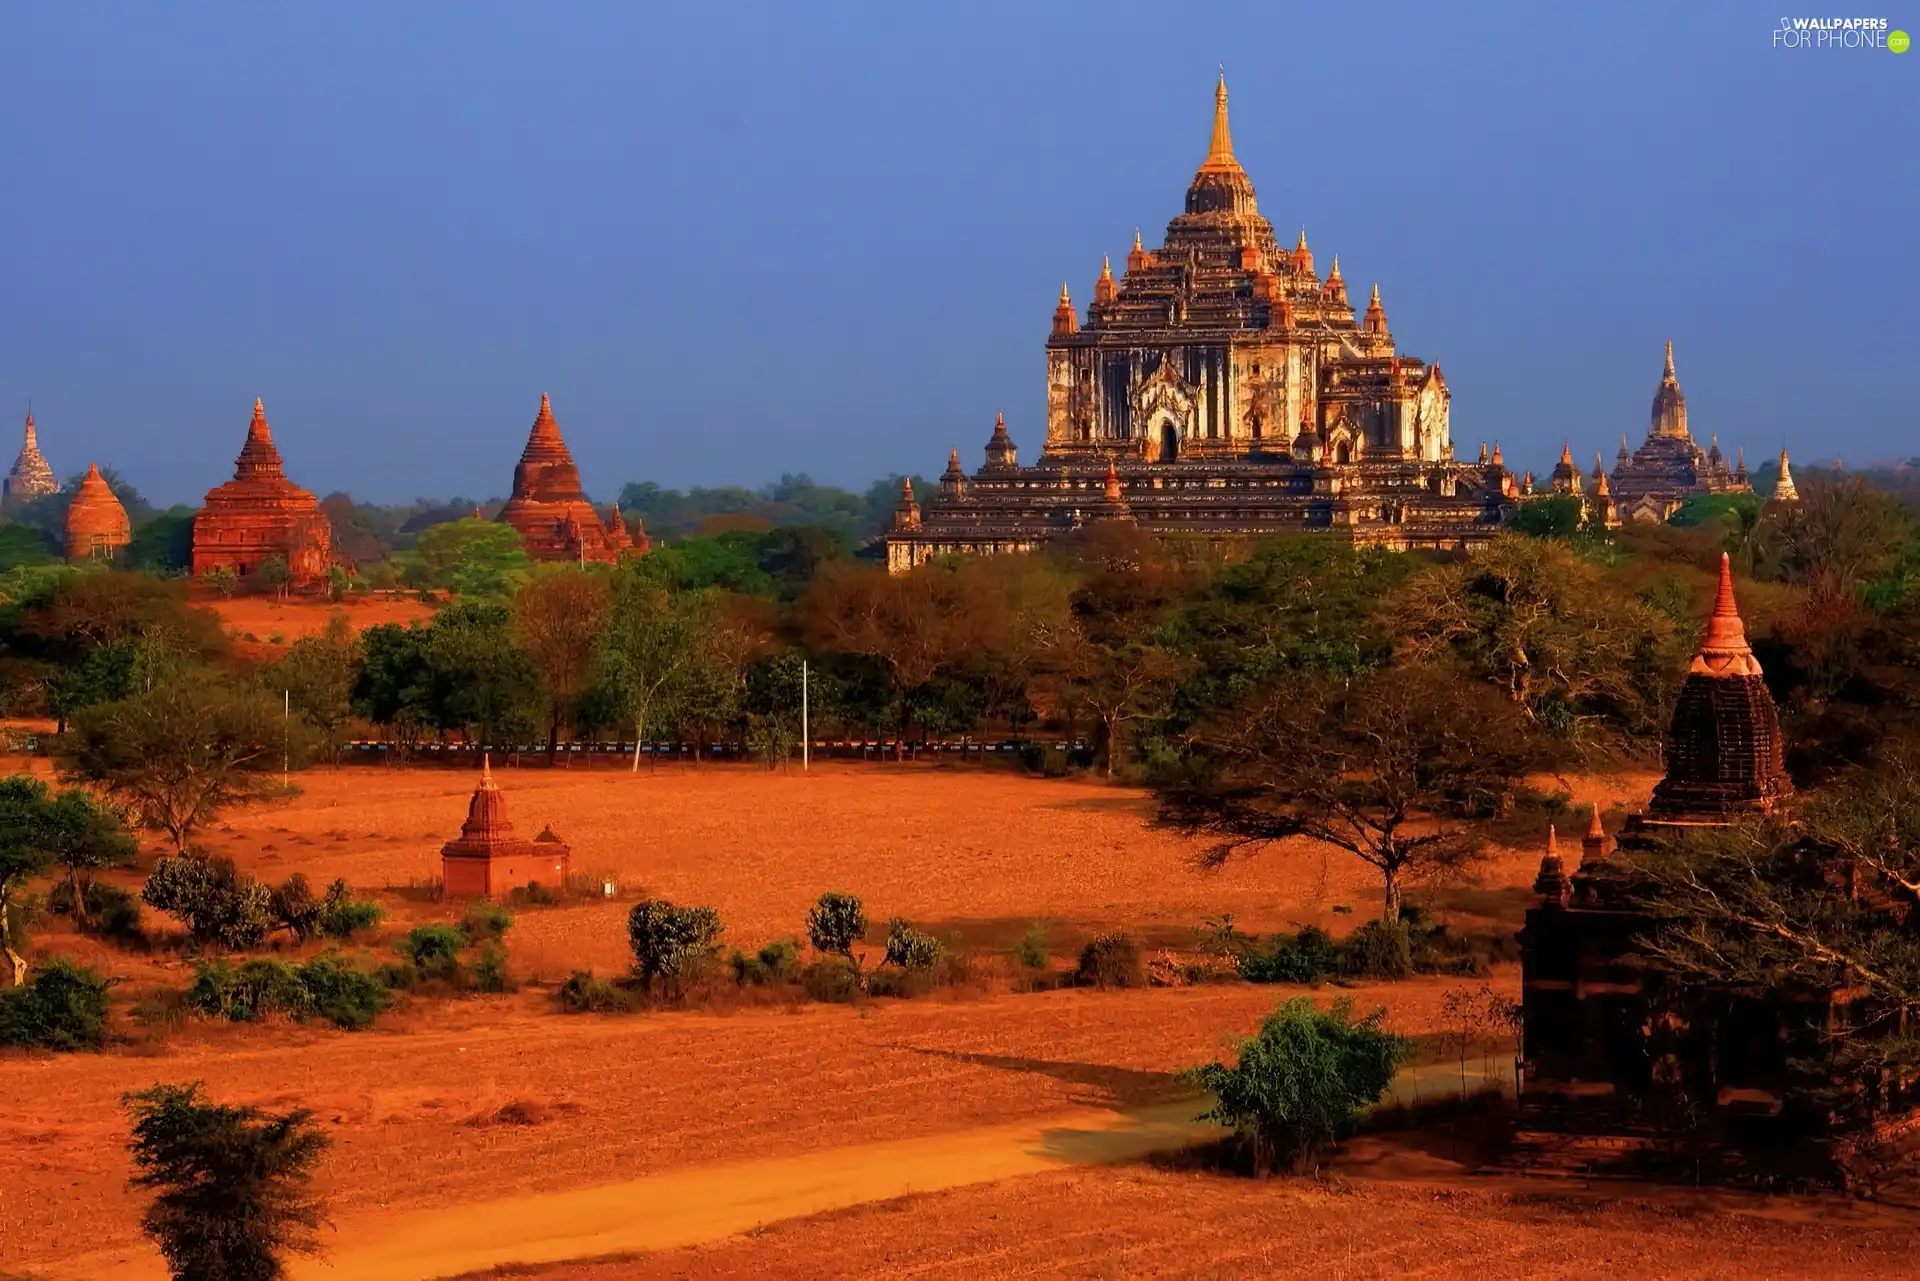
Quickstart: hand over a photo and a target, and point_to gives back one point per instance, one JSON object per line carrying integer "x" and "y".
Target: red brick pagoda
{"x": 260, "y": 515}
{"x": 488, "y": 860}
{"x": 97, "y": 526}
{"x": 1629, "y": 1065}
{"x": 549, "y": 509}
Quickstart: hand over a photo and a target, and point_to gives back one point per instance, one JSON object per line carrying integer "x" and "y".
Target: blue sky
{"x": 735, "y": 240}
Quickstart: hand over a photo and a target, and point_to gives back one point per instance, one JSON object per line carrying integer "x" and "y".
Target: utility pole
{"x": 806, "y": 735}
{"x": 286, "y": 737}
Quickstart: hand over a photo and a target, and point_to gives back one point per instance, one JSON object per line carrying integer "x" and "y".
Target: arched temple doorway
{"x": 1169, "y": 443}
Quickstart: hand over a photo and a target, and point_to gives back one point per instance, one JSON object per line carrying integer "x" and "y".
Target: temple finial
{"x": 486, "y": 772}
{"x": 1670, "y": 373}
{"x": 1300, "y": 246}
{"x": 1220, "y": 146}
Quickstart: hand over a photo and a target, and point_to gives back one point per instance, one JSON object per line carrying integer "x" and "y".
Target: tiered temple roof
{"x": 260, "y": 515}
{"x": 1668, "y": 467}
{"x": 30, "y": 477}
{"x": 1229, "y": 391}
{"x": 1725, "y": 757}
{"x": 549, "y": 508}
{"x": 488, "y": 858}
{"x": 96, "y": 526}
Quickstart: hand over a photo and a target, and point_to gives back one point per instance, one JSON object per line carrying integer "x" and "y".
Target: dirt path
{"x": 688, "y": 1207}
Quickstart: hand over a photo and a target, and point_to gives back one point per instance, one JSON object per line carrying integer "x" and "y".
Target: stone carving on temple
{"x": 488, "y": 860}
{"x": 1653, "y": 481}
{"x": 97, "y": 527}
{"x": 30, "y": 477}
{"x": 550, "y": 510}
{"x": 1190, "y": 373}
{"x": 260, "y": 515}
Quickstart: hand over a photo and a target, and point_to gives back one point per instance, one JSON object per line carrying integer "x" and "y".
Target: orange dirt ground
{"x": 454, "y": 1103}
{"x": 265, "y": 617}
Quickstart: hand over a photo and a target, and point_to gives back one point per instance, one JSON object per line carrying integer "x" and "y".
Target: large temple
{"x": 551, "y": 511}
{"x": 30, "y": 477}
{"x": 1652, "y": 482}
{"x": 260, "y": 516}
{"x": 1230, "y": 391}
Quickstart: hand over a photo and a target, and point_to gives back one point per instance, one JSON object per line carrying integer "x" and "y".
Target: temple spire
{"x": 1065, "y": 319}
{"x": 1104, "y": 289}
{"x": 1220, "y": 146}
{"x": 259, "y": 456}
{"x": 1669, "y": 371}
{"x": 1783, "y": 488}
{"x": 1725, "y": 651}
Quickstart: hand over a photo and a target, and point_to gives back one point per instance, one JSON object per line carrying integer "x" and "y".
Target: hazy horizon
{"x": 736, "y": 243}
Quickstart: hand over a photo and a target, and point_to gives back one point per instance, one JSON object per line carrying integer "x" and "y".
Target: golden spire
{"x": 486, "y": 773}
{"x": 1136, "y": 240}
{"x": 1566, "y": 454}
{"x": 1670, "y": 374}
{"x": 1783, "y": 488}
{"x": 1106, "y": 268}
{"x": 1301, "y": 246}
{"x": 1220, "y": 147}
{"x": 1334, "y": 275}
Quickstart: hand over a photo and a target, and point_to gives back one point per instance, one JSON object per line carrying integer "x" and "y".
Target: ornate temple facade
{"x": 1650, "y": 483}
{"x": 551, "y": 511}
{"x": 97, "y": 527}
{"x": 1231, "y": 391}
{"x": 1626, "y": 1065}
{"x": 260, "y": 515}
{"x": 30, "y": 476}
{"x": 488, "y": 860}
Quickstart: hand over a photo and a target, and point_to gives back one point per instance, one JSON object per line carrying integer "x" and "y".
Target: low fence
{"x": 467, "y": 755}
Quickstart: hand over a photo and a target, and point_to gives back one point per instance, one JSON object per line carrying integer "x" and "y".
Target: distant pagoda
{"x": 97, "y": 527}
{"x": 31, "y": 477}
{"x": 1653, "y": 481}
{"x": 551, "y": 511}
{"x": 260, "y": 515}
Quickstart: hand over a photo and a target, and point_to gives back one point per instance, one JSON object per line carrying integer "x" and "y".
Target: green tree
{"x": 164, "y": 545}
{"x": 836, "y": 923}
{"x": 1302, "y": 1081}
{"x": 559, "y": 620}
{"x": 480, "y": 680}
{"x": 86, "y": 837}
{"x": 219, "y": 906}
{"x": 1392, "y": 767}
{"x": 274, "y": 574}
{"x": 318, "y": 675}
{"x": 654, "y": 638}
{"x": 671, "y": 944}
{"x": 1556, "y": 516}
{"x": 25, "y": 852}
{"x": 22, "y": 545}
{"x": 232, "y": 1185}
{"x": 394, "y": 687}
{"x": 183, "y": 751}
{"x": 473, "y": 557}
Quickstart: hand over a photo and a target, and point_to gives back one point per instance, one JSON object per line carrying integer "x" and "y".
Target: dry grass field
{"x": 254, "y": 621}
{"x": 455, "y": 1113}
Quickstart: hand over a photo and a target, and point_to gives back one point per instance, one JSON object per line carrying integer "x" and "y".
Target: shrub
{"x": 490, "y": 973}
{"x": 219, "y": 907}
{"x": 432, "y": 947}
{"x": 1033, "y": 951}
{"x": 1302, "y": 1081}
{"x": 231, "y": 1183}
{"x": 111, "y": 912}
{"x": 908, "y": 948}
{"x": 836, "y": 923}
{"x": 1378, "y": 950}
{"x": 342, "y": 995}
{"x": 324, "y": 987}
{"x": 534, "y": 894}
{"x": 777, "y": 962}
{"x": 294, "y": 908}
{"x": 586, "y": 993}
{"x": 833, "y": 979}
{"x": 486, "y": 920}
{"x": 1111, "y": 960}
{"x": 62, "y": 1007}
{"x": 671, "y": 943}
{"x": 341, "y": 916}
{"x": 895, "y": 981}
{"x": 1306, "y": 957}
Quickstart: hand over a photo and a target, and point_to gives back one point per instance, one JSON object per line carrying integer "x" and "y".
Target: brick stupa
{"x": 260, "y": 515}
{"x": 1725, "y": 757}
{"x": 488, "y": 860}
{"x": 97, "y": 525}
{"x": 31, "y": 477}
{"x": 549, "y": 509}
